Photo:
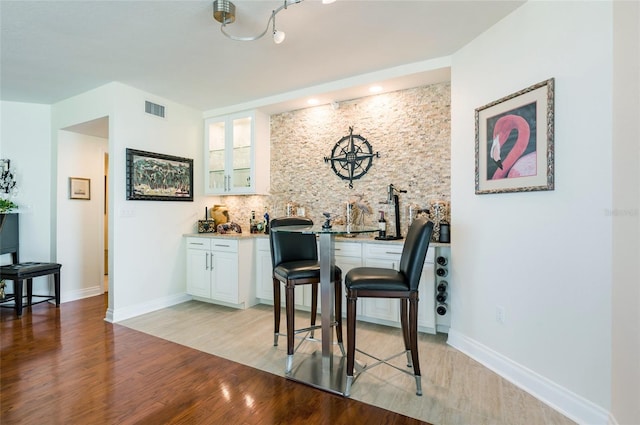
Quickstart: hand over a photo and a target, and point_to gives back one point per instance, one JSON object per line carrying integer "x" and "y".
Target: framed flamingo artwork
{"x": 514, "y": 142}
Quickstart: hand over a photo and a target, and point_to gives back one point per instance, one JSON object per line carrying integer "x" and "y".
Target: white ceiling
{"x": 52, "y": 50}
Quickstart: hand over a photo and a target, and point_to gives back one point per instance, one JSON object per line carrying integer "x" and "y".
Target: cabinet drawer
{"x": 198, "y": 243}
{"x": 224, "y": 245}
{"x": 382, "y": 250}
{"x": 213, "y": 244}
{"x": 348, "y": 249}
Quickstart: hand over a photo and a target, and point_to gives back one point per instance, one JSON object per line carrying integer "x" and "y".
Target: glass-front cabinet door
{"x": 237, "y": 154}
{"x": 216, "y": 177}
{"x": 241, "y": 154}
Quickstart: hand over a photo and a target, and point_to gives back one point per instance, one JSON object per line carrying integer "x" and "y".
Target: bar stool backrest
{"x": 414, "y": 251}
{"x": 287, "y": 247}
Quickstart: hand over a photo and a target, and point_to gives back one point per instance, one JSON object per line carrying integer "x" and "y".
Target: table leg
{"x": 327, "y": 264}
{"x": 326, "y": 371}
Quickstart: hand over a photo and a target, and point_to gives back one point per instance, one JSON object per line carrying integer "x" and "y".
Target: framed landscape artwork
{"x": 158, "y": 177}
{"x": 514, "y": 142}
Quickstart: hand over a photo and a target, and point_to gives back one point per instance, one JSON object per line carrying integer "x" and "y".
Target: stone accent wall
{"x": 411, "y": 130}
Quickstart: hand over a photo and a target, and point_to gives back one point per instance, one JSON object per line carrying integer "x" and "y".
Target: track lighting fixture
{"x": 225, "y": 12}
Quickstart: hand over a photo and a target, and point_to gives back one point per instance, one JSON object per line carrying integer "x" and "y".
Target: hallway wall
{"x": 80, "y": 222}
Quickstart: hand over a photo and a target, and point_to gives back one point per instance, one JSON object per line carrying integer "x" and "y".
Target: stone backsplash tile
{"x": 411, "y": 130}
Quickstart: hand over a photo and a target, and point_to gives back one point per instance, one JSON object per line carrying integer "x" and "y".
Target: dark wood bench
{"x": 20, "y": 272}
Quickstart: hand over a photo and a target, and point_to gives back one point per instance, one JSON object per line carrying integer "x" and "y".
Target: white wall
{"x": 25, "y": 140}
{"x": 80, "y": 239}
{"x": 625, "y": 385}
{"x": 148, "y": 249}
{"x": 544, "y": 256}
{"x": 147, "y": 265}
{"x": 146, "y": 261}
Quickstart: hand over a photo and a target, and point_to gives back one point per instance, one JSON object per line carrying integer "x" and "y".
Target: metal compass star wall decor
{"x": 351, "y": 157}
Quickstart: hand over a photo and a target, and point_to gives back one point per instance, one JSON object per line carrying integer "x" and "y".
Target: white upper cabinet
{"x": 237, "y": 154}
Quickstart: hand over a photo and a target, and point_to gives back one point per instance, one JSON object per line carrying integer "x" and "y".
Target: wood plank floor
{"x": 68, "y": 366}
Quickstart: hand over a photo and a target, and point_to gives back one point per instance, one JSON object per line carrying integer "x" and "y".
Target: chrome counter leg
{"x": 418, "y": 385}
{"x": 347, "y": 388}
{"x": 289, "y": 363}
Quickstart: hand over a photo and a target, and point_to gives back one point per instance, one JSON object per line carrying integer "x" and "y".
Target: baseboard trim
{"x": 119, "y": 314}
{"x": 555, "y": 396}
{"x": 66, "y": 296}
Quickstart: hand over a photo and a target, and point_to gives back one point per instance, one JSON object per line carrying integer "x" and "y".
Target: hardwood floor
{"x": 68, "y": 366}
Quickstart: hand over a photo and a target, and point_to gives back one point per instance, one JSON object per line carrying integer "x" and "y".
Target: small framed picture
{"x": 514, "y": 142}
{"x": 79, "y": 188}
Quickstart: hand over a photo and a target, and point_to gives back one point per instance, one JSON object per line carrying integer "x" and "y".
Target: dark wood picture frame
{"x": 158, "y": 177}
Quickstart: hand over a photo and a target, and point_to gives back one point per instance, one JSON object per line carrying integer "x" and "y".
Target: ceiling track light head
{"x": 278, "y": 36}
{"x": 225, "y": 12}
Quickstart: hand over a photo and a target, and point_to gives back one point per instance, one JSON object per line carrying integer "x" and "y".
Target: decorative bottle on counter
{"x": 382, "y": 226}
{"x": 266, "y": 221}
{"x": 253, "y": 228}
{"x": 445, "y": 236}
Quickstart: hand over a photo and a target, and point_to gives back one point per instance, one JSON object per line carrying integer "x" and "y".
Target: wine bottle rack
{"x": 443, "y": 288}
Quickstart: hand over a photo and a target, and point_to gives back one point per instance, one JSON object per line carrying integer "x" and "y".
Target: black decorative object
{"x": 351, "y": 157}
{"x": 327, "y": 221}
{"x": 7, "y": 178}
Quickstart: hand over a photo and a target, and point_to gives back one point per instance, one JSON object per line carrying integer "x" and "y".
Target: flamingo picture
{"x": 515, "y": 164}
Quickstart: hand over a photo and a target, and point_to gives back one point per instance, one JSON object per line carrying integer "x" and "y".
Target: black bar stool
{"x": 376, "y": 282}
{"x": 294, "y": 257}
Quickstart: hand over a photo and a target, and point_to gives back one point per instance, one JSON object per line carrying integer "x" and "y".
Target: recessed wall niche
{"x": 410, "y": 128}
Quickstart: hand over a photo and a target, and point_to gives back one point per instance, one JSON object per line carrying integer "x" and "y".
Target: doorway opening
{"x": 83, "y": 227}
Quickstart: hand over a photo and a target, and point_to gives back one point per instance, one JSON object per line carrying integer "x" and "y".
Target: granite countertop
{"x": 230, "y": 235}
{"x": 360, "y": 239}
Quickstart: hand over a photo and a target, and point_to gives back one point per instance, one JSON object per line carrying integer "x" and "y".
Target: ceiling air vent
{"x": 153, "y": 109}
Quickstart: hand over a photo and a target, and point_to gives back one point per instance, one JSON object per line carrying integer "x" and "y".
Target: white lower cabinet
{"x": 264, "y": 278}
{"x": 264, "y": 271}
{"x": 238, "y": 273}
{"x": 348, "y": 255}
{"x": 381, "y": 310}
{"x": 220, "y": 270}
{"x": 198, "y": 273}
{"x": 426, "y": 292}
